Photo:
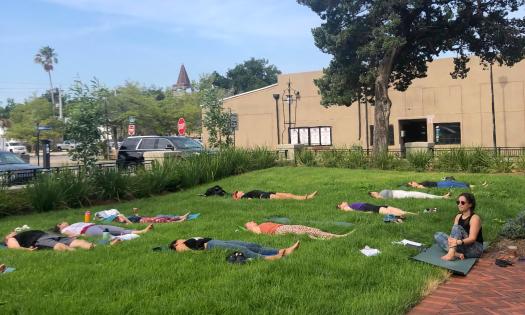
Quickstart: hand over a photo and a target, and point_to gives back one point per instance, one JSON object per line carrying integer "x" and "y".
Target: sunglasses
{"x": 460, "y": 202}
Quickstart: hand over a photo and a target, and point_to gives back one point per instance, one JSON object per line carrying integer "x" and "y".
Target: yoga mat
{"x": 433, "y": 255}
{"x": 8, "y": 270}
{"x": 193, "y": 216}
{"x": 2, "y": 246}
{"x": 281, "y": 220}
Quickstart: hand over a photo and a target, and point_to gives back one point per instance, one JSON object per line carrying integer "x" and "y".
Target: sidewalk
{"x": 487, "y": 289}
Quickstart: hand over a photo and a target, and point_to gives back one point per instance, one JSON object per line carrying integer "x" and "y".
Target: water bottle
{"x": 105, "y": 235}
{"x": 87, "y": 216}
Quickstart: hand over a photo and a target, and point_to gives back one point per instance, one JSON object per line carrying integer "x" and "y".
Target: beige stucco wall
{"x": 437, "y": 98}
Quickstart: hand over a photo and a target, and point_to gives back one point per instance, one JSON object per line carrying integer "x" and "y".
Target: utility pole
{"x": 60, "y": 108}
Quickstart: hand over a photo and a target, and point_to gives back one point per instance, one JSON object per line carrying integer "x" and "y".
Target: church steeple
{"x": 183, "y": 82}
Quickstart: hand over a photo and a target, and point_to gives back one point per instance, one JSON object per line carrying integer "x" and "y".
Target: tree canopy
{"x": 380, "y": 44}
{"x": 250, "y": 75}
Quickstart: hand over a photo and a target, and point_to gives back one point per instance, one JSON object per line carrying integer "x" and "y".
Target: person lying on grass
{"x": 251, "y": 250}
{"x": 442, "y": 184}
{"x": 259, "y": 194}
{"x": 280, "y": 229}
{"x": 402, "y": 194}
{"x": 35, "y": 239}
{"x": 367, "y": 207}
{"x": 466, "y": 236}
{"x": 90, "y": 229}
{"x": 136, "y": 218}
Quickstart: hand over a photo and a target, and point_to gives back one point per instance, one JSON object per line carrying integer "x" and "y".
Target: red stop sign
{"x": 181, "y": 126}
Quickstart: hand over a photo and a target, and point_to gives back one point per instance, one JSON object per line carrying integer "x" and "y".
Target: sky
{"x": 146, "y": 41}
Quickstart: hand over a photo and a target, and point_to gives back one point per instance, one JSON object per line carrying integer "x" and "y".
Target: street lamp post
{"x": 291, "y": 96}
{"x": 276, "y": 98}
{"x": 493, "y": 111}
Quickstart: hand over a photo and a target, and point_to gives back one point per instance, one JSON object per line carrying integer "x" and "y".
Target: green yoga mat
{"x": 433, "y": 255}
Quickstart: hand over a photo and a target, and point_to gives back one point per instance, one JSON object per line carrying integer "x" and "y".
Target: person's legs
{"x": 81, "y": 244}
{"x": 59, "y": 247}
{"x": 246, "y": 248}
{"x": 442, "y": 240}
{"x": 265, "y": 251}
{"x": 113, "y": 230}
{"x": 459, "y": 233}
{"x": 471, "y": 251}
{"x": 281, "y": 195}
{"x": 395, "y": 211}
{"x": 401, "y": 194}
{"x": 301, "y": 229}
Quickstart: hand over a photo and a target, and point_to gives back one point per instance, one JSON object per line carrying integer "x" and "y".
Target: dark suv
{"x": 131, "y": 151}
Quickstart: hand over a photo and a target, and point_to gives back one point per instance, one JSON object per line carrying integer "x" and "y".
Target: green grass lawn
{"x": 321, "y": 277}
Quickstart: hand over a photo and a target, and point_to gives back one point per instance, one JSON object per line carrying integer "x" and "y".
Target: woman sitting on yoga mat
{"x": 402, "y": 194}
{"x": 35, "y": 239}
{"x": 280, "y": 229}
{"x": 259, "y": 194}
{"x": 441, "y": 184}
{"x": 466, "y": 237}
{"x": 251, "y": 250}
{"x": 366, "y": 207}
{"x": 90, "y": 229}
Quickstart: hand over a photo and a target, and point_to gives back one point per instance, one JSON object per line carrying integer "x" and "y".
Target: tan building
{"x": 436, "y": 109}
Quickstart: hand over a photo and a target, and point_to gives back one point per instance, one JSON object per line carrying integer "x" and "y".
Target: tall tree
{"x": 215, "y": 119}
{"x": 379, "y": 44}
{"x": 47, "y": 57}
{"x": 86, "y": 116}
{"x": 250, "y": 75}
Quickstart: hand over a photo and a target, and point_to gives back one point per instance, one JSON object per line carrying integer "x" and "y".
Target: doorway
{"x": 412, "y": 130}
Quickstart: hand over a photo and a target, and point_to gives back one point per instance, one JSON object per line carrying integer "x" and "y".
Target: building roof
{"x": 183, "y": 82}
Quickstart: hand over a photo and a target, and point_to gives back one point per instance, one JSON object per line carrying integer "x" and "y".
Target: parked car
{"x": 15, "y": 147}
{"x": 132, "y": 150}
{"x": 15, "y": 171}
{"x": 66, "y": 145}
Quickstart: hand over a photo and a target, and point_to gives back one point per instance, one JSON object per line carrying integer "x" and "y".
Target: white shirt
{"x": 104, "y": 214}
{"x": 75, "y": 228}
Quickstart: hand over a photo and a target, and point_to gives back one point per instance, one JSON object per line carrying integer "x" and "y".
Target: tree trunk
{"x": 382, "y": 103}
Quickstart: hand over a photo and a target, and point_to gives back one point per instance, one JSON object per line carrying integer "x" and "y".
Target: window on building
{"x": 390, "y": 135}
{"x": 447, "y": 133}
{"x": 311, "y": 136}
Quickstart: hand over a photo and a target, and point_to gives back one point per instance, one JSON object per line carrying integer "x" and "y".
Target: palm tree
{"x": 46, "y": 56}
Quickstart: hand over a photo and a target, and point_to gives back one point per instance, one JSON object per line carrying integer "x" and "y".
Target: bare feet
{"x": 274, "y": 257}
{"x": 447, "y": 195}
{"x": 448, "y": 257}
{"x": 310, "y": 196}
{"x": 2, "y": 268}
{"x": 460, "y": 256}
{"x": 115, "y": 241}
{"x": 291, "y": 249}
{"x": 148, "y": 228}
{"x": 184, "y": 217}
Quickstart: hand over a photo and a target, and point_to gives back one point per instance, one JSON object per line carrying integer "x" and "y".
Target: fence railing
{"x": 502, "y": 151}
{"x": 22, "y": 177}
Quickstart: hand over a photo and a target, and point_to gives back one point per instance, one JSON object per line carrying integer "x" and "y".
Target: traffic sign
{"x": 181, "y": 126}
{"x": 131, "y": 119}
{"x": 131, "y": 130}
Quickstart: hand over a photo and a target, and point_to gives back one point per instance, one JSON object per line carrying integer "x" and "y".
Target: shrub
{"x": 13, "y": 202}
{"x": 501, "y": 164}
{"x": 110, "y": 184}
{"x": 77, "y": 188}
{"x": 305, "y": 157}
{"x": 467, "y": 160}
{"x": 520, "y": 162}
{"x": 45, "y": 193}
{"x": 515, "y": 228}
{"x": 419, "y": 160}
{"x": 384, "y": 161}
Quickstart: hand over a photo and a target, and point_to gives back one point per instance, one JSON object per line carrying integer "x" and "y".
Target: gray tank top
{"x": 386, "y": 194}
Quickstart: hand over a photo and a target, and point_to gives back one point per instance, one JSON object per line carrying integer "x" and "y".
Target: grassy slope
{"x": 321, "y": 277}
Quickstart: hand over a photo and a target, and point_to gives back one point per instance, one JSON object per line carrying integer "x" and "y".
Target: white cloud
{"x": 226, "y": 19}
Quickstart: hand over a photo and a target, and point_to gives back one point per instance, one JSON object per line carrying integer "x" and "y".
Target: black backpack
{"x": 215, "y": 191}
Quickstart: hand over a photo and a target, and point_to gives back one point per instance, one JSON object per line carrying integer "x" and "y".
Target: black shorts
{"x": 429, "y": 184}
{"x": 371, "y": 208}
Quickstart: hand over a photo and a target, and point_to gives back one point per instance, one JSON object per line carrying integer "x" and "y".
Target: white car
{"x": 15, "y": 147}
{"x": 66, "y": 145}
